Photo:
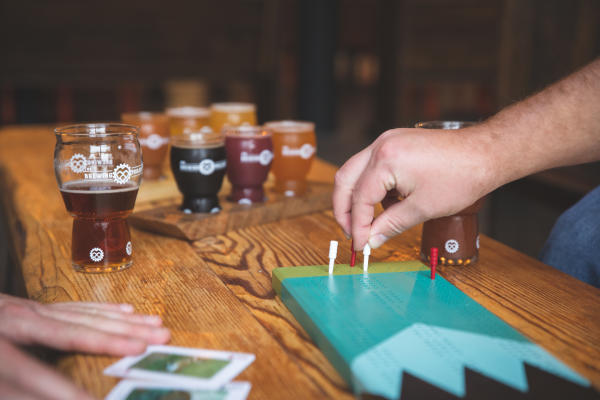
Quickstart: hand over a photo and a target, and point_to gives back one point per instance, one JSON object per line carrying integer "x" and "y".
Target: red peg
{"x": 353, "y": 256}
{"x": 433, "y": 261}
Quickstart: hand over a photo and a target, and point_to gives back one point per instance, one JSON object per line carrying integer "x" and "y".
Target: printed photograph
{"x": 197, "y": 367}
{"x": 172, "y": 394}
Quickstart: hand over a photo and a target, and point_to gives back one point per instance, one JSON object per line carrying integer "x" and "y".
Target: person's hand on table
{"x": 112, "y": 329}
{"x": 437, "y": 172}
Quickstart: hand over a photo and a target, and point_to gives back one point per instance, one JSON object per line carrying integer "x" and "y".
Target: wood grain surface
{"x": 216, "y": 292}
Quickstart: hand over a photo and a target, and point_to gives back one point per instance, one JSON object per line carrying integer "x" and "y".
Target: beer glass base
{"x": 100, "y": 269}
{"x": 247, "y": 195}
{"x": 290, "y": 188}
{"x": 201, "y": 205}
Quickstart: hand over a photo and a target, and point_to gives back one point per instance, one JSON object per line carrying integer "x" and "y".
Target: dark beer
{"x": 249, "y": 157}
{"x": 101, "y": 240}
{"x": 199, "y": 173}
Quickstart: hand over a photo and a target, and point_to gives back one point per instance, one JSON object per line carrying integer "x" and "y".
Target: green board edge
{"x": 282, "y": 273}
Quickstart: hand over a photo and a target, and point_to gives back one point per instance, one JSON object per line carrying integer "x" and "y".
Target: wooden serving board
{"x": 169, "y": 220}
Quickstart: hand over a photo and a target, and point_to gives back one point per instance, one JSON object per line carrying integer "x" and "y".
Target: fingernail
{"x": 155, "y": 319}
{"x": 377, "y": 240}
{"x": 348, "y": 236}
{"x": 162, "y": 335}
{"x": 126, "y": 307}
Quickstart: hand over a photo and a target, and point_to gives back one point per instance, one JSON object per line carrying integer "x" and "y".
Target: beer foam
{"x": 233, "y": 107}
{"x": 289, "y": 126}
{"x": 188, "y": 112}
{"x": 201, "y": 139}
{"x": 96, "y": 186}
{"x": 197, "y": 145}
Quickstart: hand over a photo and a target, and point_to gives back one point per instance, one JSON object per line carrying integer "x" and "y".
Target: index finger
{"x": 345, "y": 179}
{"x": 370, "y": 190}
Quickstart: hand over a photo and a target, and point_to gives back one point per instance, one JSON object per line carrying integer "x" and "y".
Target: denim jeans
{"x": 574, "y": 243}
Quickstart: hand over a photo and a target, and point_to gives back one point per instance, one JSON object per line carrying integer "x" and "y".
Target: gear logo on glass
{"x": 265, "y": 157}
{"x": 451, "y": 246}
{"x": 78, "y": 163}
{"x": 207, "y": 167}
{"x": 122, "y": 173}
{"x": 96, "y": 254}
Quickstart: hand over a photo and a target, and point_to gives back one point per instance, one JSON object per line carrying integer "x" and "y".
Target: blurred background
{"x": 354, "y": 67}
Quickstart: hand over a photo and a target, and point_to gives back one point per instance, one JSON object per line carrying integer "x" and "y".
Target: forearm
{"x": 556, "y": 127}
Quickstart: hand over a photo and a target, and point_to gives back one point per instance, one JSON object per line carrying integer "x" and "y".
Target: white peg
{"x": 366, "y": 254}
{"x": 333, "y": 245}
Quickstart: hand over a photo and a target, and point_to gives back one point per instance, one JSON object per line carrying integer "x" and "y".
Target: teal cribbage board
{"x": 377, "y": 327}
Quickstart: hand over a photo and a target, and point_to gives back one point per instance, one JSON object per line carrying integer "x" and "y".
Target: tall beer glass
{"x": 294, "y": 146}
{"x": 98, "y": 168}
{"x": 231, "y": 114}
{"x": 187, "y": 119}
{"x": 455, "y": 236}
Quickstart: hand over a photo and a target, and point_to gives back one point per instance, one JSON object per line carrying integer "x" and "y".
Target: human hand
{"x": 112, "y": 329}
{"x": 436, "y": 172}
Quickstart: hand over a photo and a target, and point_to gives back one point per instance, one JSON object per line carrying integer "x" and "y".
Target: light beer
{"x": 231, "y": 115}
{"x": 294, "y": 147}
{"x": 187, "y": 119}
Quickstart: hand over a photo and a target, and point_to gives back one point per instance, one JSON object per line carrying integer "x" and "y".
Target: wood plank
{"x": 171, "y": 221}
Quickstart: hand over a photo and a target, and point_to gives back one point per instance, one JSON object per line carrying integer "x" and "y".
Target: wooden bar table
{"x": 216, "y": 292}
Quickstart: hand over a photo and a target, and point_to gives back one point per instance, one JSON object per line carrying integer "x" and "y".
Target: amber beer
{"x": 98, "y": 169}
{"x": 187, "y": 119}
{"x": 154, "y": 139}
{"x": 294, "y": 147}
{"x": 100, "y": 231}
{"x": 231, "y": 115}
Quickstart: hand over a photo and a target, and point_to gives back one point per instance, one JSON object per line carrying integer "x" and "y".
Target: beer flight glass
{"x": 153, "y": 134}
{"x": 187, "y": 119}
{"x": 455, "y": 236}
{"x": 98, "y": 168}
{"x": 249, "y": 155}
{"x": 231, "y": 114}
{"x": 294, "y": 146}
{"x": 198, "y": 164}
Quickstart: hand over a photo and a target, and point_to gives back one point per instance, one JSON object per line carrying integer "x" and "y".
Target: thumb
{"x": 394, "y": 220}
